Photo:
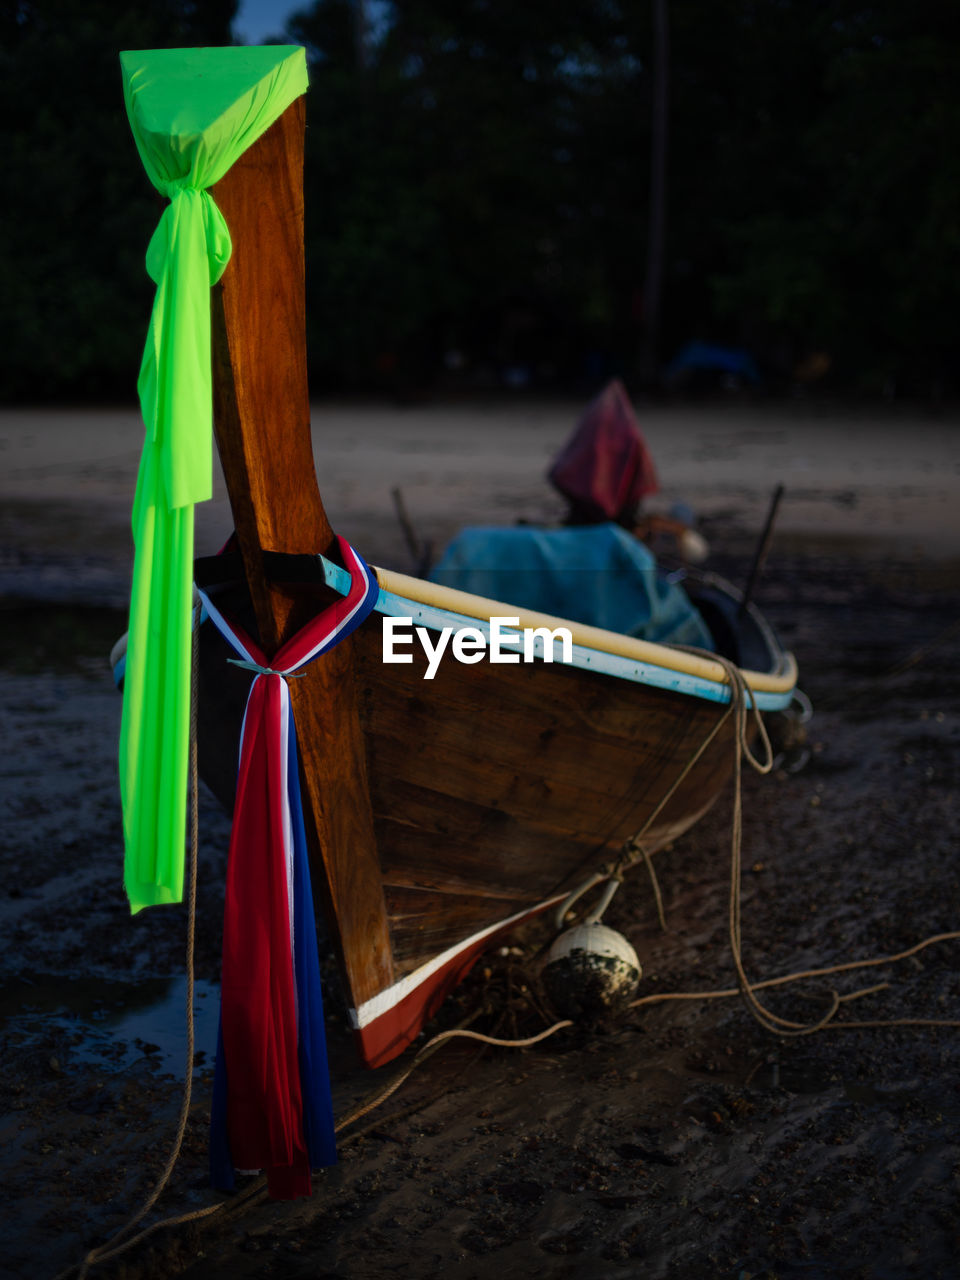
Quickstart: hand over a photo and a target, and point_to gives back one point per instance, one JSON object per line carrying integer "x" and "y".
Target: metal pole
{"x": 762, "y": 548}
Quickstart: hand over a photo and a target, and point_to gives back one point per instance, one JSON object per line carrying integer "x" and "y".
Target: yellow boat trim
{"x": 659, "y": 655}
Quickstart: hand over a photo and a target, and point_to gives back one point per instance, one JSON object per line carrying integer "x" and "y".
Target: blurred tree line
{"x": 479, "y": 187}
{"x": 76, "y": 210}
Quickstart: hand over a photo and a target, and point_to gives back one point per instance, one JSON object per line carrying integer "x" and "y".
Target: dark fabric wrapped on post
{"x": 605, "y": 468}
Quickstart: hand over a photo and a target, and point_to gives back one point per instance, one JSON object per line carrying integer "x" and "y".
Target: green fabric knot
{"x": 192, "y": 213}
{"x": 193, "y": 112}
{"x": 186, "y": 255}
{"x": 170, "y": 187}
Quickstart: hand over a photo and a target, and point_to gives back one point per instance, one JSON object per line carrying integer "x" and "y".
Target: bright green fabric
{"x": 193, "y": 113}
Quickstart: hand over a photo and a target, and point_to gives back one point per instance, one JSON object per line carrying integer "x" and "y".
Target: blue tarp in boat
{"x": 596, "y": 574}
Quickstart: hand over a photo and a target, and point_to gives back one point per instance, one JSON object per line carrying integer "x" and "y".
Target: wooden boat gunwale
{"x": 434, "y": 605}
{"x": 664, "y": 666}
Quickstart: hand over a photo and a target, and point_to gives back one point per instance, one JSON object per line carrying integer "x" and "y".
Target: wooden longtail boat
{"x": 439, "y": 813}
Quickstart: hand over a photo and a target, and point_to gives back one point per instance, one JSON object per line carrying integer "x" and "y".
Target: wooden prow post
{"x": 261, "y": 398}
{"x": 262, "y": 426}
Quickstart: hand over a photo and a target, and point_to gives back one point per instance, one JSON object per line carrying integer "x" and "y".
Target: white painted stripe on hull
{"x": 387, "y": 999}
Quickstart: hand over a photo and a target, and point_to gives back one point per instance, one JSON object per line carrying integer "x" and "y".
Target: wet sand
{"x": 684, "y": 1141}
{"x": 887, "y": 479}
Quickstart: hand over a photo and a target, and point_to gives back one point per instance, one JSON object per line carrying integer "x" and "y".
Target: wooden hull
{"x": 494, "y": 789}
{"x": 438, "y": 813}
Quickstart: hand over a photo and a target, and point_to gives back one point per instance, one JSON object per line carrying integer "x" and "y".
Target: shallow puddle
{"x": 41, "y": 636}
{"x": 111, "y": 1025}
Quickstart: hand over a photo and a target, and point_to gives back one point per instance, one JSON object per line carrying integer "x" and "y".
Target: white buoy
{"x": 591, "y": 971}
{"x": 693, "y": 546}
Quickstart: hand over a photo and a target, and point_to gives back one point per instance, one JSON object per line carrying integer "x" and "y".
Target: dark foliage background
{"x": 478, "y": 188}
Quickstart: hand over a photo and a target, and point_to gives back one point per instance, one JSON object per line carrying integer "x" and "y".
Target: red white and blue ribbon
{"x": 271, "y": 1096}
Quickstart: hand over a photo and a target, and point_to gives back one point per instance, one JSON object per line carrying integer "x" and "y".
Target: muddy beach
{"x": 682, "y": 1141}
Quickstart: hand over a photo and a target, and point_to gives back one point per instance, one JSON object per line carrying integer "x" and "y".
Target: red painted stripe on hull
{"x": 389, "y": 1034}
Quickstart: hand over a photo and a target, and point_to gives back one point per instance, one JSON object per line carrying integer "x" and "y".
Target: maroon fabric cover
{"x": 605, "y": 468}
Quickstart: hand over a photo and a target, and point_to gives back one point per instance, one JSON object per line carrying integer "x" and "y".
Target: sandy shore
{"x": 683, "y": 1142}
{"x": 890, "y": 478}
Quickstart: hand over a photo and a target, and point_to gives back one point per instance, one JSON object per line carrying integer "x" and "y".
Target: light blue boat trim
{"x": 609, "y": 664}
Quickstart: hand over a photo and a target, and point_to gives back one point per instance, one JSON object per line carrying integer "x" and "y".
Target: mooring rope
{"x": 740, "y": 708}
{"x": 633, "y": 849}
{"x": 431, "y": 1047}
{"x": 116, "y": 1244}
{"x": 741, "y": 705}
{"x": 766, "y": 1017}
{"x": 848, "y": 967}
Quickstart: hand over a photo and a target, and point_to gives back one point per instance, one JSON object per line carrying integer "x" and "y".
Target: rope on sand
{"x": 430, "y": 1048}
{"x": 739, "y": 709}
{"x": 116, "y": 1244}
{"x": 740, "y": 704}
{"x": 849, "y": 967}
